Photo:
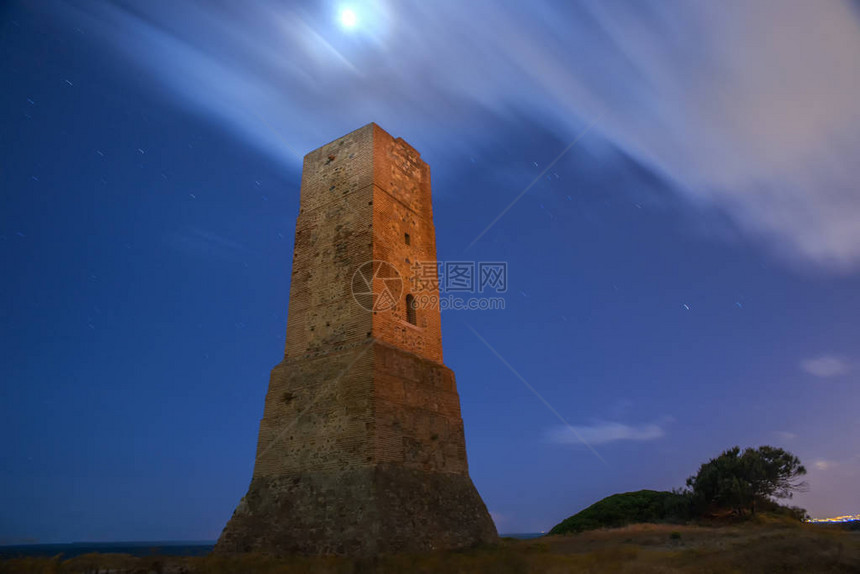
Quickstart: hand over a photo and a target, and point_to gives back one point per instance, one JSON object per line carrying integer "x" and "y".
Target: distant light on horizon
{"x": 844, "y": 518}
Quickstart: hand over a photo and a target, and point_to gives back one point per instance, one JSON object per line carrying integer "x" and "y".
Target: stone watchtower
{"x": 361, "y": 446}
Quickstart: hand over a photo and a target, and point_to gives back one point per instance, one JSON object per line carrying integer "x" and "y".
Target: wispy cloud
{"x": 825, "y": 366}
{"x": 204, "y": 243}
{"x": 822, "y": 464}
{"x": 749, "y": 108}
{"x": 605, "y": 432}
{"x": 785, "y": 435}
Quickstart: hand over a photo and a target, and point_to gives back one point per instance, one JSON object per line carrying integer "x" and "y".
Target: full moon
{"x": 348, "y": 19}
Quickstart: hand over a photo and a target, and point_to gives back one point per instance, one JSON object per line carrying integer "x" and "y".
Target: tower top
{"x": 368, "y": 126}
{"x": 364, "y": 263}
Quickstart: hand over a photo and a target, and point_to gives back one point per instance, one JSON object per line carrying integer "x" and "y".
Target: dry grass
{"x": 767, "y": 546}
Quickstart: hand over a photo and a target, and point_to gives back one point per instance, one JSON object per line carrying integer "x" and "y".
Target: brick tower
{"x": 361, "y": 447}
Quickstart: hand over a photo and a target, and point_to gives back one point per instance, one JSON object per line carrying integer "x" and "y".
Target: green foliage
{"x": 741, "y": 481}
{"x": 736, "y": 482}
{"x": 776, "y": 510}
{"x": 628, "y": 508}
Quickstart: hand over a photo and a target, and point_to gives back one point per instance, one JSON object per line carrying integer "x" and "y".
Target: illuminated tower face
{"x": 361, "y": 447}
{"x": 365, "y": 198}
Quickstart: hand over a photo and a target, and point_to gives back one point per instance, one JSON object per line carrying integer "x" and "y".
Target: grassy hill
{"x": 627, "y": 508}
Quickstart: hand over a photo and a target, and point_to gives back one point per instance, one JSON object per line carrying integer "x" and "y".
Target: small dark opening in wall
{"x": 407, "y": 239}
{"x": 410, "y": 309}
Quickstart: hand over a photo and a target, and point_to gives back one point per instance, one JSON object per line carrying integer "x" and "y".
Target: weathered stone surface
{"x": 360, "y": 512}
{"x": 361, "y": 447}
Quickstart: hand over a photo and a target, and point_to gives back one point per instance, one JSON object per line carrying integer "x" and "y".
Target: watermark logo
{"x": 445, "y": 285}
{"x": 383, "y": 274}
{"x": 460, "y": 276}
{"x": 438, "y": 285}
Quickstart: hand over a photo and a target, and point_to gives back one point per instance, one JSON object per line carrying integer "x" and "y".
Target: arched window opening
{"x": 410, "y": 309}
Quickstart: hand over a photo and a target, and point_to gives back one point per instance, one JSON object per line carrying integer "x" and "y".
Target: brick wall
{"x": 361, "y": 447}
{"x": 356, "y": 387}
{"x": 333, "y": 236}
{"x": 402, "y": 205}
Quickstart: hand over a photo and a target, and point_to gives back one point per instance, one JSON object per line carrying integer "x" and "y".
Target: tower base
{"x": 361, "y": 512}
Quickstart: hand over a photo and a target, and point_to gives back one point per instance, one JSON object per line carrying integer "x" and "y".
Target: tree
{"x": 738, "y": 480}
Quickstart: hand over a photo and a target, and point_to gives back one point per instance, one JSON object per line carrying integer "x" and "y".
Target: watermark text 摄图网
{"x": 460, "y": 277}
{"x": 445, "y": 285}
{"x": 377, "y": 285}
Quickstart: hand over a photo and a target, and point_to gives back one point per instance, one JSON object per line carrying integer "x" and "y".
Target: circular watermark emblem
{"x": 387, "y": 279}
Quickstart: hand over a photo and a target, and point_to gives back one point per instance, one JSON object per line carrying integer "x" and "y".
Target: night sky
{"x": 683, "y": 279}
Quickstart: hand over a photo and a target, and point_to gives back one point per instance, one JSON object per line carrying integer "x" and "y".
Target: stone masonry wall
{"x": 366, "y": 405}
{"x": 334, "y": 236}
{"x": 361, "y": 446}
{"x": 318, "y": 415}
{"x": 402, "y": 205}
{"x": 416, "y": 413}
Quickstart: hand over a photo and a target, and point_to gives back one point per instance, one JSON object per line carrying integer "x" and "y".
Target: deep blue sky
{"x": 684, "y": 279}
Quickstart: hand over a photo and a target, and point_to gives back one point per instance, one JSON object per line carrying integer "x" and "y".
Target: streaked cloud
{"x": 198, "y": 242}
{"x": 825, "y": 366}
{"x": 747, "y": 108}
{"x": 605, "y": 432}
{"x": 785, "y": 435}
{"x": 822, "y": 464}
